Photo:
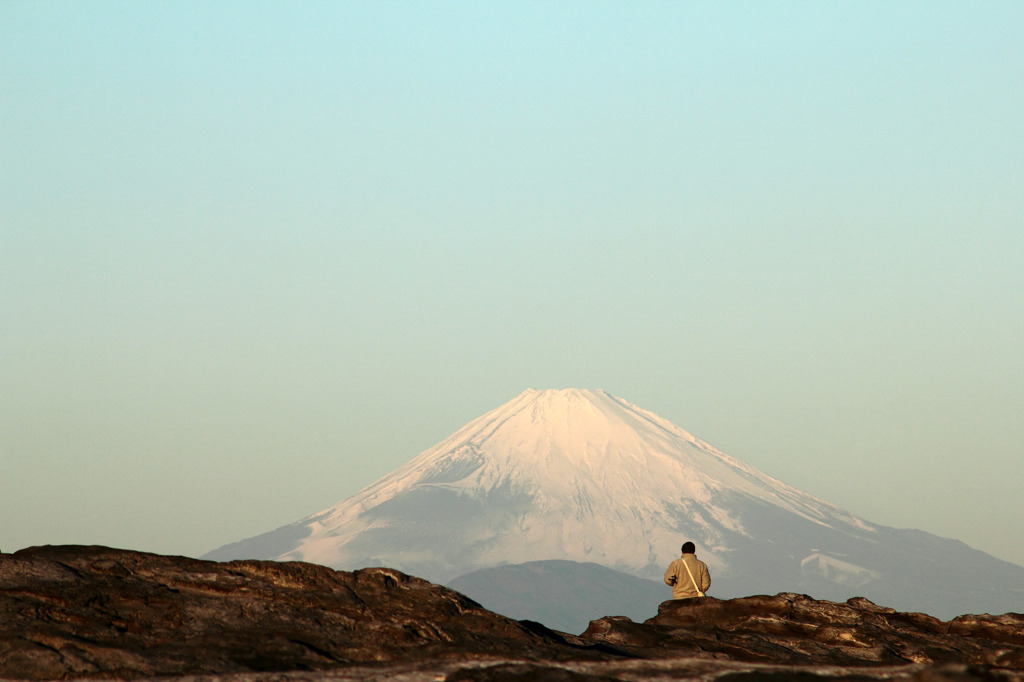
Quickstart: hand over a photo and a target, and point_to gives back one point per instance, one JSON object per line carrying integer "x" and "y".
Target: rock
{"x": 795, "y": 629}
{"x": 70, "y": 612}
{"x": 95, "y": 612}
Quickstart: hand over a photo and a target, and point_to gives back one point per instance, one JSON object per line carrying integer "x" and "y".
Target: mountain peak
{"x": 555, "y": 395}
{"x": 552, "y": 474}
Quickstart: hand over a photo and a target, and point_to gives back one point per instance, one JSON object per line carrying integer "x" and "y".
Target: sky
{"x": 256, "y": 255}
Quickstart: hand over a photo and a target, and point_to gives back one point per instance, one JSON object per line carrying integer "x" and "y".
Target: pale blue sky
{"x": 254, "y": 256}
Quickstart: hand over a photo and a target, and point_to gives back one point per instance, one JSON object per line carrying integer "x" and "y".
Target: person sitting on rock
{"x": 688, "y": 575}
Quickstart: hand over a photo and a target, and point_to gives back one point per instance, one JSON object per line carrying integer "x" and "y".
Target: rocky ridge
{"x": 796, "y": 629}
{"x": 78, "y": 612}
{"x": 75, "y": 612}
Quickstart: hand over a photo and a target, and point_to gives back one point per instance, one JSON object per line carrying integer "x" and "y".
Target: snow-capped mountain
{"x": 585, "y": 476}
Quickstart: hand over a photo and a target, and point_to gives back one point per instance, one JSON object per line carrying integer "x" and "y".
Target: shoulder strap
{"x": 691, "y": 576}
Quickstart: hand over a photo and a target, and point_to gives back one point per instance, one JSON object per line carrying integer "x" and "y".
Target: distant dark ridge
{"x": 563, "y": 595}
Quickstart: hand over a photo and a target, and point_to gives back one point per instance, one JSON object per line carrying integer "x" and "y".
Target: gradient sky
{"x": 255, "y": 255}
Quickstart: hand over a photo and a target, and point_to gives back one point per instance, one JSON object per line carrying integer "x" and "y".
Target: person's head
{"x": 689, "y": 548}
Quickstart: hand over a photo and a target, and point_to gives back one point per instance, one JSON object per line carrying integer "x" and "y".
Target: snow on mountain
{"x": 569, "y": 474}
{"x": 585, "y": 476}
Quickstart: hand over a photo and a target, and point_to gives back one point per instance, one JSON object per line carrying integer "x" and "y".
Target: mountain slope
{"x": 563, "y": 595}
{"x": 587, "y": 477}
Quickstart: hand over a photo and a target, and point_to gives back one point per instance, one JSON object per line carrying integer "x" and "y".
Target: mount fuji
{"x": 584, "y": 476}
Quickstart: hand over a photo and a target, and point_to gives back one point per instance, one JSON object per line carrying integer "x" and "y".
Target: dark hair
{"x": 689, "y": 548}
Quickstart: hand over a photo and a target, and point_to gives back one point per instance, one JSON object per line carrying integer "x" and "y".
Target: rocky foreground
{"x": 92, "y": 612}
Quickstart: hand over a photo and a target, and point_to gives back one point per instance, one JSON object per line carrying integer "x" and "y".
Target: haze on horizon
{"x": 255, "y": 256}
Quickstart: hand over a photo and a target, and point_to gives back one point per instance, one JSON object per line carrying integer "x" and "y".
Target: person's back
{"x": 680, "y": 571}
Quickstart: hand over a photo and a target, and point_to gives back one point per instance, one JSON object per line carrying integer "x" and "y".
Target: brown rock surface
{"x": 69, "y": 612}
{"x": 80, "y": 612}
{"x": 795, "y": 629}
